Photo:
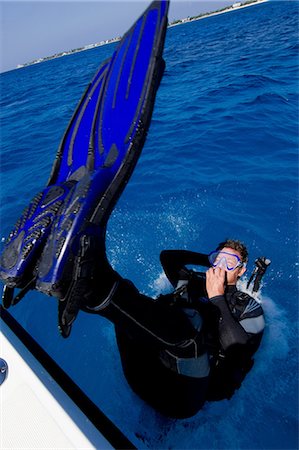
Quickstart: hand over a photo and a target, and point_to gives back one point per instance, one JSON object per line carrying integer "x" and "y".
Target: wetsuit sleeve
{"x": 174, "y": 263}
{"x": 240, "y": 337}
{"x": 231, "y": 367}
{"x": 230, "y": 331}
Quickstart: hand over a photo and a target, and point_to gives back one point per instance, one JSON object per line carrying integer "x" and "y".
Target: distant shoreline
{"x": 235, "y": 7}
{"x": 216, "y": 13}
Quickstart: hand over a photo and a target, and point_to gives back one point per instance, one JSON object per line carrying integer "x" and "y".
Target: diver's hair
{"x": 235, "y": 245}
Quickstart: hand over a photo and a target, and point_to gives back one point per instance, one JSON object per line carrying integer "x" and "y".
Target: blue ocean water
{"x": 220, "y": 160}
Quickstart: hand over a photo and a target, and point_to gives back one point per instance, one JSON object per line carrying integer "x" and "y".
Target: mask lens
{"x": 212, "y": 257}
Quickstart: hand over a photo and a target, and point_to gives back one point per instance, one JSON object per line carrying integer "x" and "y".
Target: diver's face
{"x": 233, "y": 275}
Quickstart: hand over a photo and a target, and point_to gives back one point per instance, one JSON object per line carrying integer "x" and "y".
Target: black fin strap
{"x": 7, "y": 297}
{"x": 83, "y": 275}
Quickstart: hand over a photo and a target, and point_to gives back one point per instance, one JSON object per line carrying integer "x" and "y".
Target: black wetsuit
{"x": 181, "y": 349}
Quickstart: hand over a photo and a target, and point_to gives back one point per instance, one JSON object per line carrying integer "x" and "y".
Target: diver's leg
{"x": 96, "y": 288}
{"x": 145, "y": 327}
{"x": 143, "y": 317}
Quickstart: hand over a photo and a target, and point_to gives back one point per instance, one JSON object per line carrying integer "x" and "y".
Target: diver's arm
{"x": 234, "y": 360}
{"x": 231, "y": 330}
{"x": 231, "y": 333}
{"x": 231, "y": 367}
{"x": 239, "y": 340}
{"x": 253, "y": 322}
{"x": 175, "y": 261}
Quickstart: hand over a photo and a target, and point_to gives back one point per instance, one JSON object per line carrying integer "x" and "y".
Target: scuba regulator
{"x": 261, "y": 265}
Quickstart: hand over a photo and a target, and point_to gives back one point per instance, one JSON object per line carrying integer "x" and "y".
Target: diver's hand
{"x": 215, "y": 281}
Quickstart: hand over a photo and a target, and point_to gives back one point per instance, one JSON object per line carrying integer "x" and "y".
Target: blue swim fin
{"x": 97, "y": 155}
{"x": 24, "y": 244}
{"x": 75, "y": 156}
{"x": 120, "y": 127}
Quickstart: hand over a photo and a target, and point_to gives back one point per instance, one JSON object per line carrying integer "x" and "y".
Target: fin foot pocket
{"x": 55, "y": 269}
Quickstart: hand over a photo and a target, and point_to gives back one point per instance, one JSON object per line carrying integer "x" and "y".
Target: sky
{"x": 34, "y": 29}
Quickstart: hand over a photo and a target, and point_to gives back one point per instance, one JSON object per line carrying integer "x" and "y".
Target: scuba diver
{"x": 178, "y": 350}
{"x": 187, "y": 347}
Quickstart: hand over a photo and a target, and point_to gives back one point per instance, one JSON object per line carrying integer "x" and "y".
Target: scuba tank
{"x": 261, "y": 265}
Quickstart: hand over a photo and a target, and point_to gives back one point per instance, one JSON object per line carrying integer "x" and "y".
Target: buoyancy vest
{"x": 196, "y": 365}
{"x": 207, "y": 348}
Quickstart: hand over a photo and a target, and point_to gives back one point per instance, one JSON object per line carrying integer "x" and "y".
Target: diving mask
{"x": 225, "y": 260}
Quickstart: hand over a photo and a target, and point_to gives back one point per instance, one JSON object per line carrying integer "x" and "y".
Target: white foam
{"x": 161, "y": 285}
{"x": 242, "y": 285}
